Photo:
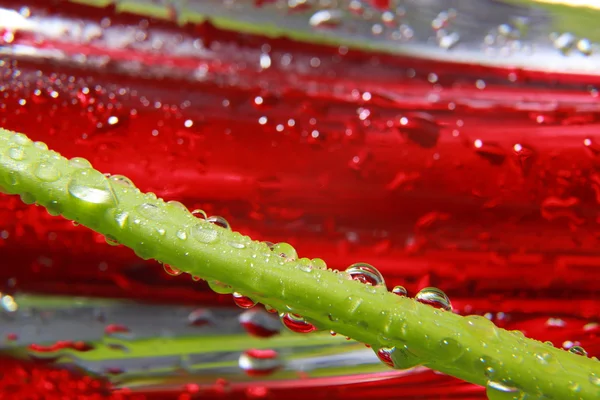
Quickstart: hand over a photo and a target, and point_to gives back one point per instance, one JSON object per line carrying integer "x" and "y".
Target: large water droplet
{"x": 260, "y": 323}
{"x": 16, "y": 153}
{"x": 90, "y": 186}
{"x": 151, "y": 211}
{"x": 78, "y": 162}
{"x": 47, "y": 172}
{"x": 243, "y": 301}
{"x": 449, "y": 349}
{"x": 501, "y": 391}
{"x": 481, "y": 326}
{"x": 199, "y": 214}
{"x": 219, "y": 221}
{"x": 121, "y": 180}
{"x": 594, "y": 379}
{"x": 318, "y": 263}
{"x": 385, "y": 355}
{"x": 365, "y": 273}
{"x": 285, "y": 251}
{"x": 170, "y": 270}
{"x": 219, "y": 287}
{"x": 578, "y": 350}
{"x": 400, "y": 291}
{"x": 434, "y": 297}
{"x": 326, "y": 19}
{"x": 259, "y": 362}
{"x": 296, "y": 323}
{"x": 204, "y": 233}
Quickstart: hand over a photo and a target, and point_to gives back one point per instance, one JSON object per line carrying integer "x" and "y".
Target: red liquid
{"x": 480, "y": 192}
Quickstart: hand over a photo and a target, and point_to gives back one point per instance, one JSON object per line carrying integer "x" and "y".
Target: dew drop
{"x": 449, "y": 349}
{"x": 255, "y": 362}
{"x": 319, "y": 264}
{"x": 259, "y": 323}
{"x": 151, "y": 211}
{"x": 177, "y": 204}
{"x": 20, "y": 139}
{"x": 326, "y": 19}
{"x": 501, "y": 391}
{"x": 296, "y": 323}
{"x": 243, "y": 301}
{"x": 365, "y": 273}
{"x": 285, "y": 251}
{"x": 47, "y": 172}
{"x": 181, "y": 234}
{"x": 434, "y": 297}
{"x": 78, "y": 162}
{"x": 199, "y": 214}
{"x": 121, "y": 180}
{"x": 219, "y": 221}
{"x": 170, "y": 270}
{"x": 578, "y": 350}
{"x": 400, "y": 291}
{"x": 200, "y": 317}
{"x": 304, "y": 264}
{"x": 219, "y": 287}
{"x": 594, "y": 379}
{"x": 204, "y": 234}
{"x": 111, "y": 241}
{"x": 16, "y": 153}
{"x": 90, "y": 186}
{"x": 385, "y": 355}
{"x": 481, "y": 326}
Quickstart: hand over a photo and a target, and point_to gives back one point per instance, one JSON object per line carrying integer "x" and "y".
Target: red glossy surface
{"x": 435, "y": 184}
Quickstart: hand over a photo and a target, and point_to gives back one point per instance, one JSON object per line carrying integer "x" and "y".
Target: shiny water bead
{"x": 205, "y": 233}
{"x": 177, "y": 204}
{"x": 47, "y": 172}
{"x": 111, "y": 241}
{"x": 318, "y": 263}
{"x": 219, "y": 287}
{"x": 501, "y": 391}
{"x": 385, "y": 355}
{"x": 200, "y": 317}
{"x": 449, "y": 349}
{"x": 259, "y": 362}
{"x": 578, "y": 350}
{"x": 170, "y": 270}
{"x": 199, "y": 214}
{"x": 259, "y": 323}
{"x": 285, "y": 251}
{"x": 243, "y": 301}
{"x": 365, "y": 273}
{"x": 270, "y": 309}
{"x": 304, "y": 264}
{"x": 296, "y": 323}
{"x": 594, "y": 379}
{"x": 434, "y": 297}
{"x": 40, "y": 145}
{"x": 400, "y": 291}
{"x": 78, "y": 162}
{"x": 196, "y": 278}
{"x": 20, "y": 139}
{"x": 16, "y": 153}
{"x": 90, "y": 186}
{"x": 121, "y": 180}
{"x": 219, "y": 221}
{"x": 326, "y": 19}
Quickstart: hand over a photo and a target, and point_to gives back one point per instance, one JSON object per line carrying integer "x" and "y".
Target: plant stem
{"x": 471, "y": 348}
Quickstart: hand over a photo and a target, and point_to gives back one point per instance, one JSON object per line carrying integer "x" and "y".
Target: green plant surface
{"x": 471, "y": 348}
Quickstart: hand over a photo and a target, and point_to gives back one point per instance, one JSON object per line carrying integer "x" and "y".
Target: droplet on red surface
{"x": 259, "y": 362}
{"x": 243, "y": 301}
{"x": 297, "y": 324}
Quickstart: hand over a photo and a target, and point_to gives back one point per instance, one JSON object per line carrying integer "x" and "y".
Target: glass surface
{"x": 448, "y": 143}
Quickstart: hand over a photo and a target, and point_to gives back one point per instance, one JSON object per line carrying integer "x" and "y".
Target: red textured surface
{"x": 495, "y": 205}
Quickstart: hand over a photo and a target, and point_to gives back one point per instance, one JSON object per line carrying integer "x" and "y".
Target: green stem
{"x": 471, "y": 348}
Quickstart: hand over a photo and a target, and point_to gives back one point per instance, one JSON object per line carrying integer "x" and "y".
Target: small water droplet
{"x": 219, "y": 221}
{"x": 151, "y": 211}
{"x": 305, "y": 264}
{"x": 170, "y": 270}
{"x": 594, "y": 379}
{"x": 564, "y": 42}
{"x": 326, "y": 19}
{"x": 255, "y": 362}
{"x": 200, "y": 317}
{"x": 204, "y": 234}
{"x": 20, "y": 139}
{"x": 260, "y": 323}
{"x": 111, "y": 241}
{"x": 181, "y": 234}
{"x": 92, "y": 187}
{"x": 285, "y": 251}
{"x": 219, "y": 287}
{"x": 177, "y": 204}
{"x": 385, "y": 355}
{"x": 121, "y": 181}
{"x": 16, "y": 153}
{"x": 243, "y": 301}
{"x": 449, "y": 349}
{"x": 47, "y": 172}
{"x": 483, "y": 327}
{"x": 199, "y": 214}
{"x": 501, "y": 391}
{"x": 434, "y": 297}
{"x": 297, "y": 324}
{"x": 78, "y": 162}
{"x": 318, "y": 263}
{"x": 578, "y": 350}
{"x": 365, "y": 273}
{"x": 400, "y": 291}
